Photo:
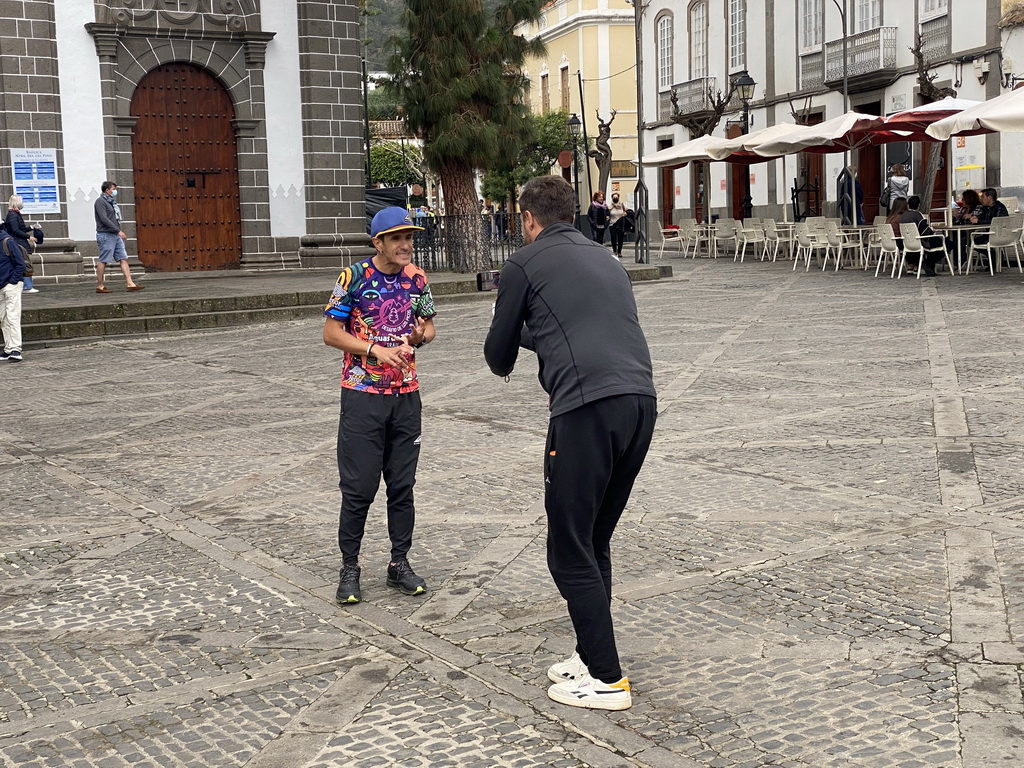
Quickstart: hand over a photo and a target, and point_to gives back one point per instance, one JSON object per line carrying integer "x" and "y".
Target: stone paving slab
{"x": 821, "y": 564}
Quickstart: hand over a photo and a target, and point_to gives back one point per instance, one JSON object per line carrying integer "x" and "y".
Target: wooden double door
{"x": 185, "y": 160}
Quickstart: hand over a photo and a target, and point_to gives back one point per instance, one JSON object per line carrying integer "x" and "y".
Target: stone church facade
{"x": 233, "y": 128}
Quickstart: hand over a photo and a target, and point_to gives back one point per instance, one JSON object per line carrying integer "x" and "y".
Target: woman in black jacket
{"x": 15, "y": 226}
{"x": 598, "y": 217}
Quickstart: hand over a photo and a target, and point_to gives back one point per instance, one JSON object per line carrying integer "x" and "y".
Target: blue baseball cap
{"x": 393, "y": 219}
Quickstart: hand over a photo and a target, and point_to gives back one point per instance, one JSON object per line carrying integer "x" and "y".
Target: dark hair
{"x": 914, "y": 202}
{"x": 991, "y": 193}
{"x": 898, "y": 209}
{"x": 549, "y": 199}
{"x": 971, "y": 198}
{"x": 107, "y": 185}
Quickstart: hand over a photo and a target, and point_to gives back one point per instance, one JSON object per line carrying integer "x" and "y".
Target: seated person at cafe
{"x": 928, "y": 237}
{"x": 970, "y": 205}
{"x": 968, "y": 212}
{"x": 991, "y": 208}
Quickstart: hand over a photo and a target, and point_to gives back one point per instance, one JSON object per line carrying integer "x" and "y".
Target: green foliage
{"x": 547, "y": 135}
{"x": 457, "y": 71}
{"x": 392, "y": 167}
{"x": 381, "y": 105}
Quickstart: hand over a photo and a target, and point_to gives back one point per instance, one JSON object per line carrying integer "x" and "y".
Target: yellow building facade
{"x": 590, "y": 70}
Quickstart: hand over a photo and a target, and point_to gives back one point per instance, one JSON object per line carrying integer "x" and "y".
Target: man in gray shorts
{"x": 110, "y": 238}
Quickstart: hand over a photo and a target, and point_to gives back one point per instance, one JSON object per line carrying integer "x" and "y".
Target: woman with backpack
{"x": 23, "y": 236}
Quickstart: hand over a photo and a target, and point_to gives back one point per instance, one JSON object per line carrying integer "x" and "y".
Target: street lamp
{"x": 574, "y": 125}
{"x": 745, "y": 88}
{"x": 643, "y": 248}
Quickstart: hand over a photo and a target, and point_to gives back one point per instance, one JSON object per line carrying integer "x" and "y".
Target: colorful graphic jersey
{"x": 374, "y": 306}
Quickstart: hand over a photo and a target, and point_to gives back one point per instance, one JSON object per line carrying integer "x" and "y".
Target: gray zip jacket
{"x": 569, "y": 300}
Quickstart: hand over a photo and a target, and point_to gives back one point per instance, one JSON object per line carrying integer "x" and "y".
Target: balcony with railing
{"x": 870, "y": 59}
{"x": 692, "y": 96}
{"x": 812, "y": 70}
{"x": 936, "y": 39}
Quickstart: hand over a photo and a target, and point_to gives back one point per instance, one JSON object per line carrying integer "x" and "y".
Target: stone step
{"x": 51, "y": 326}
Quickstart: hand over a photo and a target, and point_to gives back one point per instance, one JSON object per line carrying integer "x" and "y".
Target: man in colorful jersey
{"x": 381, "y": 311}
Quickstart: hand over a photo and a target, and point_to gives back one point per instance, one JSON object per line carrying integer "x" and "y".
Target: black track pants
{"x": 378, "y": 435}
{"x": 593, "y": 456}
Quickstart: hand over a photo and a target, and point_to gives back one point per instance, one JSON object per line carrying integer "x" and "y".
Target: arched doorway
{"x": 187, "y": 210}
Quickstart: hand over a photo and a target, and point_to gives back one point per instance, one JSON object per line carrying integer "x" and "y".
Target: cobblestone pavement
{"x": 822, "y": 564}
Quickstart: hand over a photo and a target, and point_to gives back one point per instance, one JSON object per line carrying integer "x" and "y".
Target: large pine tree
{"x": 457, "y": 72}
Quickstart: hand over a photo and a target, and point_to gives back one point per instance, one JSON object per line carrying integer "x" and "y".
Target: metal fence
{"x": 500, "y": 235}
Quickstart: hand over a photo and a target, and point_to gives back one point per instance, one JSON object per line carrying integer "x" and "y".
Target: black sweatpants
{"x": 593, "y": 456}
{"x": 618, "y": 236}
{"x": 378, "y": 435}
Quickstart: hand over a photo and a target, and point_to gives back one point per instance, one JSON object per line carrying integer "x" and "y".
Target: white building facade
{"x": 794, "y": 51}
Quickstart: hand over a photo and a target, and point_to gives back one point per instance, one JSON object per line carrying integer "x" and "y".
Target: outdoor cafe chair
{"x": 837, "y": 247}
{"x": 888, "y": 249}
{"x": 751, "y": 232}
{"x": 873, "y": 242}
{"x": 726, "y": 230}
{"x": 670, "y": 235}
{"x": 774, "y": 238}
{"x": 806, "y": 247}
{"x": 1001, "y": 235}
{"x": 912, "y": 243}
{"x": 690, "y": 232}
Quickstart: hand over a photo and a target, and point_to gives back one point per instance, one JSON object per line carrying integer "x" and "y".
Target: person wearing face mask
{"x": 617, "y": 224}
{"x": 110, "y": 238}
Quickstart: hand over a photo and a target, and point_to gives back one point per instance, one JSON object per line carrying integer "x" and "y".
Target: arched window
{"x": 737, "y": 34}
{"x": 665, "y": 43}
{"x": 698, "y": 40}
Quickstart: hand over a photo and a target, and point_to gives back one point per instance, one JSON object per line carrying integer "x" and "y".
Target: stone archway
{"x": 185, "y": 162}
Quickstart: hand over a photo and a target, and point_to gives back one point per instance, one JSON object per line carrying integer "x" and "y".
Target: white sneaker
{"x": 592, "y": 694}
{"x": 567, "y": 671}
{"x": 30, "y": 290}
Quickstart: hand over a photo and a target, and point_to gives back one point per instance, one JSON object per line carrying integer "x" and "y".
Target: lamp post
{"x": 574, "y": 125}
{"x": 846, "y": 108}
{"x": 745, "y": 88}
{"x": 643, "y": 249}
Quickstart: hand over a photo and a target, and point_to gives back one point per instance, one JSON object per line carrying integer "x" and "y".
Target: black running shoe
{"x": 401, "y": 576}
{"x": 348, "y": 585}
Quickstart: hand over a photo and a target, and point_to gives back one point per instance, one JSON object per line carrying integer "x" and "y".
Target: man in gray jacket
{"x": 561, "y": 296}
{"x": 110, "y": 238}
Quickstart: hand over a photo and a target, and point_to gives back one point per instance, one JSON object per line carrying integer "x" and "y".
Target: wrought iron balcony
{"x": 812, "y": 70}
{"x": 936, "y": 41}
{"x": 694, "y": 95}
{"x": 871, "y": 57}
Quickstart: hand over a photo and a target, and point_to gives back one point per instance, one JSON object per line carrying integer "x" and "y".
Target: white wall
{"x": 81, "y": 115}
{"x": 285, "y": 164}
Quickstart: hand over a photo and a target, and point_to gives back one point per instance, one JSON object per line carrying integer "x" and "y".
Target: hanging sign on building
{"x": 35, "y": 179}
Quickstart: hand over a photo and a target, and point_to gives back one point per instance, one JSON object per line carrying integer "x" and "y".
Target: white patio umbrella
{"x": 681, "y": 154}
{"x": 847, "y": 131}
{"x": 1003, "y": 113}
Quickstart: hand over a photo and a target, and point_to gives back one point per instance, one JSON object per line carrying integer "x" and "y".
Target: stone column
{"x": 330, "y": 72}
{"x": 30, "y": 118}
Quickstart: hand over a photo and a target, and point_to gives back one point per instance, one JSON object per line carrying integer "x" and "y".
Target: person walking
{"x": 12, "y": 272}
{"x": 578, "y": 314}
{"x": 843, "y": 195}
{"x": 380, "y": 313}
{"x": 898, "y": 186}
{"x": 597, "y": 215}
{"x": 23, "y": 236}
{"x": 617, "y": 224}
{"x": 110, "y": 238}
